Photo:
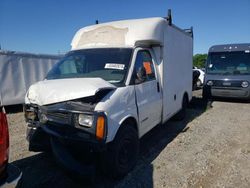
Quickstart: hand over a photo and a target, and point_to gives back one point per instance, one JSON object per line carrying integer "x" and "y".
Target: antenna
{"x": 169, "y": 17}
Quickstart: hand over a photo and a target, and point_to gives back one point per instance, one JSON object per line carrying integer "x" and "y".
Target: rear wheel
{"x": 122, "y": 153}
{"x": 182, "y": 113}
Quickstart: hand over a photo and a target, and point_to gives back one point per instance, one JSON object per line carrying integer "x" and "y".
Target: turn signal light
{"x": 100, "y": 128}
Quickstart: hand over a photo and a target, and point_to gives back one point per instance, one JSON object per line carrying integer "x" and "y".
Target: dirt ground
{"x": 210, "y": 148}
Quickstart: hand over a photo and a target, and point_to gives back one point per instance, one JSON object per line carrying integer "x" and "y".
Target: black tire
{"x": 205, "y": 94}
{"x": 182, "y": 113}
{"x": 122, "y": 153}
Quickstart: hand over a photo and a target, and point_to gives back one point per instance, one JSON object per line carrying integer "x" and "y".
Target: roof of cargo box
{"x": 126, "y": 33}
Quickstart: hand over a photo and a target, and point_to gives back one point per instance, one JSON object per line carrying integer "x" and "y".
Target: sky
{"x": 48, "y": 26}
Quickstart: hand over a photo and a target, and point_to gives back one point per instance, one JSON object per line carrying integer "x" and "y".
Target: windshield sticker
{"x": 114, "y": 66}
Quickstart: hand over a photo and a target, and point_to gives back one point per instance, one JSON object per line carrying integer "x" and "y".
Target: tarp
{"x": 19, "y": 70}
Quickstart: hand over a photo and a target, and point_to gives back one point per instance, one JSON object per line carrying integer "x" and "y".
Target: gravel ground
{"x": 210, "y": 148}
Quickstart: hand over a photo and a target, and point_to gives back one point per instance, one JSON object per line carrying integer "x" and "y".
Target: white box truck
{"x": 119, "y": 80}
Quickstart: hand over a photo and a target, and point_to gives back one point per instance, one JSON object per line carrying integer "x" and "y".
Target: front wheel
{"x": 206, "y": 93}
{"x": 122, "y": 153}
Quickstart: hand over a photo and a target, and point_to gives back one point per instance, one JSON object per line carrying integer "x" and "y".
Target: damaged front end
{"x": 73, "y": 121}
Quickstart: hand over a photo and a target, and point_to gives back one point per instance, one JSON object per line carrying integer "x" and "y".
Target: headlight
{"x": 244, "y": 84}
{"x": 30, "y": 114}
{"x": 85, "y": 120}
{"x": 210, "y": 83}
{"x": 43, "y": 118}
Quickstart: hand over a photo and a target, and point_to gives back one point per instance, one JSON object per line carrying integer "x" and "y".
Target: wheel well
{"x": 131, "y": 122}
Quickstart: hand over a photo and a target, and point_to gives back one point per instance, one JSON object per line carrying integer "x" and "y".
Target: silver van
{"x": 228, "y": 71}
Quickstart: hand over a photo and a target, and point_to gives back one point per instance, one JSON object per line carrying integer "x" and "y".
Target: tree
{"x": 199, "y": 60}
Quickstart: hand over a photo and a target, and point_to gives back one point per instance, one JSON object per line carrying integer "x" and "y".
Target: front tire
{"x": 122, "y": 153}
{"x": 206, "y": 93}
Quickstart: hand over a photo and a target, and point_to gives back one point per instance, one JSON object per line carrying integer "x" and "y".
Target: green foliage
{"x": 199, "y": 60}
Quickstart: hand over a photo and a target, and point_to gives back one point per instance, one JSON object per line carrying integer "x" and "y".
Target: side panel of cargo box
{"x": 176, "y": 70}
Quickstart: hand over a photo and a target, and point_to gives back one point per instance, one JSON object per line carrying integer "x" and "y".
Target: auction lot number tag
{"x": 114, "y": 66}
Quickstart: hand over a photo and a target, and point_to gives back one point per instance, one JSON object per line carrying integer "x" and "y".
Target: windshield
{"x": 229, "y": 63}
{"x": 110, "y": 64}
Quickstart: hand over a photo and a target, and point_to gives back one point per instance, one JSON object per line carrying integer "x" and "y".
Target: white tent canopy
{"x": 18, "y": 71}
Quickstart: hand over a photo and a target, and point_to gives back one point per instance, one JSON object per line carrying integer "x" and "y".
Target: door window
{"x": 144, "y": 61}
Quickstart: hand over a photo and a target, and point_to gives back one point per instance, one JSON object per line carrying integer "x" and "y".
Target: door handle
{"x": 158, "y": 87}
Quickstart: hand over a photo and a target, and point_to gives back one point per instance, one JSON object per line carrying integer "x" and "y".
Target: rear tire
{"x": 122, "y": 153}
{"x": 182, "y": 113}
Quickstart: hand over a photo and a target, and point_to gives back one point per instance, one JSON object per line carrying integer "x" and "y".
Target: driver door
{"x": 148, "y": 95}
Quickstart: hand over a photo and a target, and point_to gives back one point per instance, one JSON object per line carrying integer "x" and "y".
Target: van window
{"x": 144, "y": 59}
{"x": 229, "y": 63}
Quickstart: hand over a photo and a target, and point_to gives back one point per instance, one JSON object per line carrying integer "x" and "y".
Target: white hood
{"x": 59, "y": 90}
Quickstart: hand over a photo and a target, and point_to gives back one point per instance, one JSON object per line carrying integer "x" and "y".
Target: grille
{"x": 58, "y": 117}
{"x": 222, "y": 83}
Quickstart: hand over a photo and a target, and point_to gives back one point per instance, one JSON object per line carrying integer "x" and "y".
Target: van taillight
{"x": 4, "y": 141}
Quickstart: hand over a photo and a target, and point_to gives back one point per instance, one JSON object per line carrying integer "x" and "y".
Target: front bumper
{"x": 39, "y": 138}
{"x": 13, "y": 176}
{"x": 235, "y": 92}
{"x": 231, "y": 93}
{"x": 75, "y": 136}
{"x": 61, "y": 121}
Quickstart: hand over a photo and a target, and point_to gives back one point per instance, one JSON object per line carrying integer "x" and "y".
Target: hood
{"x": 60, "y": 90}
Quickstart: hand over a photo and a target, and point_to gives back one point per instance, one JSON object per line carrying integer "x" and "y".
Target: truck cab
{"x": 118, "y": 82}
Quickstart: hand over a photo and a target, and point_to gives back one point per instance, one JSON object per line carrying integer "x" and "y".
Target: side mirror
{"x": 141, "y": 75}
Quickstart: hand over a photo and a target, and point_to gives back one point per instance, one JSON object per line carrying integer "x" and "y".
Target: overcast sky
{"x": 48, "y": 26}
